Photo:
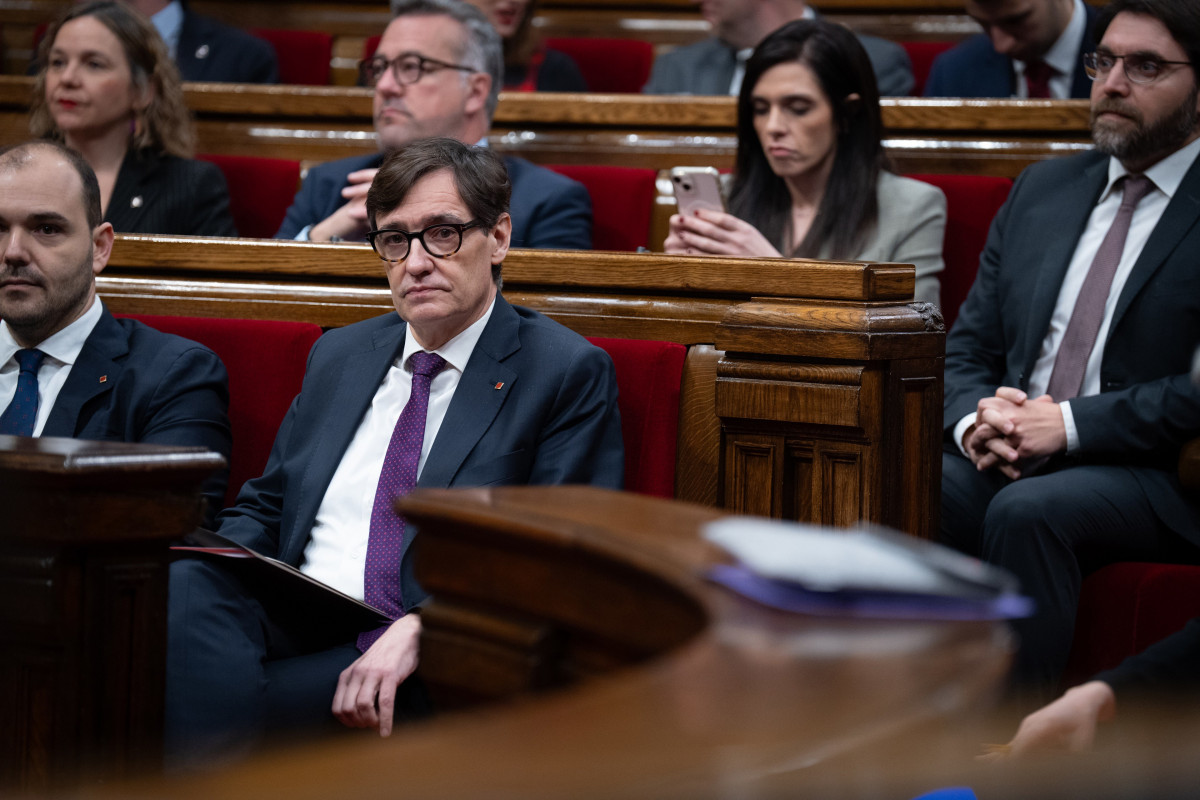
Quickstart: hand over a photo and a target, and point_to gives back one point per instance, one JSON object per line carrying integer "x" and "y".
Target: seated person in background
{"x": 1029, "y": 48}
{"x": 1067, "y": 396}
{"x": 811, "y": 178}
{"x": 437, "y": 72}
{"x": 67, "y": 367}
{"x": 206, "y": 50}
{"x": 529, "y": 66}
{"x": 715, "y": 66}
{"x": 492, "y": 394}
{"x": 106, "y": 88}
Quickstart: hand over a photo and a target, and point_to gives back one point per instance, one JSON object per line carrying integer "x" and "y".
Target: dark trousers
{"x": 247, "y": 664}
{"x": 1051, "y": 530}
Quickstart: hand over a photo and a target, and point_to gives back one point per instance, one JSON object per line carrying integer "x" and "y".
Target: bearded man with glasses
{"x": 1067, "y": 392}
{"x": 457, "y": 388}
{"x": 437, "y": 71}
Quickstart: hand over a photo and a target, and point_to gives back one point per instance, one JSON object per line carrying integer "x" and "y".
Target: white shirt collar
{"x": 63, "y": 346}
{"x": 457, "y": 351}
{"x": 169, "y": 24}
{"x": 1166, "y": 175}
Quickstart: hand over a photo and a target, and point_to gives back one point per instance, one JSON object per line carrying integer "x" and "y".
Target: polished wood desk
{"x": 83, "y": 591}
{"x": 677, "y": 688}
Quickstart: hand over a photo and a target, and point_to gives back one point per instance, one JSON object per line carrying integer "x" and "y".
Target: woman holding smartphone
{"x": 811, "y": 178}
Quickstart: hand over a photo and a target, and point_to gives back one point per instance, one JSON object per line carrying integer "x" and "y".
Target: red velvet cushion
{"x": 922, "y": 54}
{"x": 609, "y": 65}
{"x": 1126, "y": 607}
{"x": 971, "y": 203}
{"x": 622, "y": 203}
{"x": 303, "y": 56}
{"x": 265, "y": 361}
{"x": 648, "y": 378}
{"x": 260, "y": 191}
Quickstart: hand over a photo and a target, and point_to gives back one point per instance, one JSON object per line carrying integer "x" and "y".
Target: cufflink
{"x": 136, "y": 202}
{"x": 202, "y": 51}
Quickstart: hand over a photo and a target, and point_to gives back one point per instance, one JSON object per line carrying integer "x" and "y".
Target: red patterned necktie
{"x": 19, "y": 418}
{"x": 1066, "y": 379}
{"x": 381, "y": 577}
{"x": 1037, "y": 79}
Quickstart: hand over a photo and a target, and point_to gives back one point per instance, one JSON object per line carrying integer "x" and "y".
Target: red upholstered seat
{"x": 260, "y": 191}
{"x": 1126, "y": 607}
{"x": 971, "y": 203}
{"x": 922, "y": 54}
{"x": 622, "y": 203}
{"x": 265, "y": 361}
{"x": 609, "y": 65}
{"x": 648, "y": 378}
{"x": 303, "y": 56}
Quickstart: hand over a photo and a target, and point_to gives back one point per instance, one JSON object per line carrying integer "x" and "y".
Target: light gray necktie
{"x": 1076, "y": 347}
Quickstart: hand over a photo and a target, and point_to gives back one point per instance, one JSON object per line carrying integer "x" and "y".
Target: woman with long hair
{"x": 107, "y": 88}
{"x": 529, "y": 66}
{"x": 811, "y": 178}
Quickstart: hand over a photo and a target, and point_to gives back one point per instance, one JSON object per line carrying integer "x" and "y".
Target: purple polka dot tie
{"x": 381, "y": 578}
{"x": 21, "y": 414}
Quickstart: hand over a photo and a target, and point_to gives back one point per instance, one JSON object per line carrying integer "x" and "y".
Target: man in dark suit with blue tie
{"x": 437, "y": 71}
{"x": 1067, "y": 388}
{"x": 458, "y": 388}
{"x": 67, "y": 367}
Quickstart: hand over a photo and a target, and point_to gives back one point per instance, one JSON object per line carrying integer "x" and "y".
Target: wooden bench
{"x": 810, "y": 390}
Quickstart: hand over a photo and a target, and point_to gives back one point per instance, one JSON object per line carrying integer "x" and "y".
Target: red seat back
{"x": 971, "y": 203}
{"x": 265, "y": 361}
{"x": 304, "y": 56}
{"x": 609, "y": 65}
{"x": 622, "y": 203}
{"x": 260, "y": 191}
{"x": 922, "y": 54}
{"x": 649, "y": 375}
{"x": 1124, "y": 608}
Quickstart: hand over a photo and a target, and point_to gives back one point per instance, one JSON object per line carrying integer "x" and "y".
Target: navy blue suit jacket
{"x": 1147, "y": 407}
{"x": 132, "y": 383}
{"x": 536, "y": 404}
{"x": 210, "y": 51}
{"x": 548, "y": 210}
{"x": 974, "y": 69}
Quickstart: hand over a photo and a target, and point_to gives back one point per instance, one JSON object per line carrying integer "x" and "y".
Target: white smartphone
{"x": 697, "y": 187}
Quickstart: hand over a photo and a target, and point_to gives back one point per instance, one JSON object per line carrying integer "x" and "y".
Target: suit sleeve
{"x": 561, "y": 220}
{"x": 921, "y": 244}
{"x": 893, "y": 70}
{"x": 665, "y": 76}
{"x": 307, "y": 206}
{"x": 259, "y": 63}
{"x": 936, "y": 83}
{"x": 1169, "y": 664}
{"x": 581, "y": 441}
{"x": 1150, "y": 420}
{"x": 189, "y": 407}
{"x": 210, "y": 204}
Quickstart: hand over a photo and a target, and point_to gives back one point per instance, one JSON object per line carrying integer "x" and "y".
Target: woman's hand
{"x": 716, "y": 233}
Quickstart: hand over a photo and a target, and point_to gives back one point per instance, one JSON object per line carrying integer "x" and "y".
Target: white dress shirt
{"x": 62, "y": 351}
{"x": 1166, "y": 176}
{"x": 337, "y": 552}
{"x": 1063, "y": 57}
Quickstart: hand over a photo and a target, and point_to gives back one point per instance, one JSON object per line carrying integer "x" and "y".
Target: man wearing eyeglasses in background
{"x": 437, "y": 72}
{"x": 458, "y": 388}
{"x": 1067, "y": 392}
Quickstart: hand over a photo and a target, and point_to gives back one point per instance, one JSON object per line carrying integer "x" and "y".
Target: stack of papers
{"x": 866, "y": 572}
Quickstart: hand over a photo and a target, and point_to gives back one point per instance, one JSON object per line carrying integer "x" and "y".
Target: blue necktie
{"x": 18, "y": 419}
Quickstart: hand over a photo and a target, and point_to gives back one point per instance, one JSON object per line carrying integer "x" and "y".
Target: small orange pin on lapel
{"x": 499, "y": 385}
{"x": 104, "y": 379}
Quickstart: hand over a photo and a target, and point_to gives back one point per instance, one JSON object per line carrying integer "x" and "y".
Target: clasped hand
{"x": 716, "y": 233}
{"x": 350, "y": 220}
{"x": 366, "y": 690}
{"x": 1015, "y": 434}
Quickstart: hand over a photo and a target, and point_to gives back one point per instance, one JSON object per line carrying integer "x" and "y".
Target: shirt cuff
{"x": 302, "y": 236}
{"x": 960, "y": 429}
{"x": 1069, "y": 424}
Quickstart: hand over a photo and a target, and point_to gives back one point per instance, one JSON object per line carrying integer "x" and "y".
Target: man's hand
{"x": 1014, "y": 434}
{"x": 716, "y": 233}
{"x": 366, "y": 690}
{"x": 349, "y": 221}
{"x": 1069, "y": 723}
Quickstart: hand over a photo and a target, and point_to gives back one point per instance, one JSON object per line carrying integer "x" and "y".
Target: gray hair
{"x": 483, "y": 52}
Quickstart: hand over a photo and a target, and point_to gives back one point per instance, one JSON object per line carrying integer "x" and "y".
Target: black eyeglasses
{"x": 1138, "y": 68}
{"x": 407, "y": 68}
{"x": 441, "y": 240}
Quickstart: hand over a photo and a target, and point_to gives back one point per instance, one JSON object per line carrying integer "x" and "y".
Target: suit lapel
{"x": 1178, "y": 219}
{"x": 482, "y": 390}
{"x": 94, "y": 373}
{"x": 1062, "y": 217}
{"x": 130, "y": 200}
